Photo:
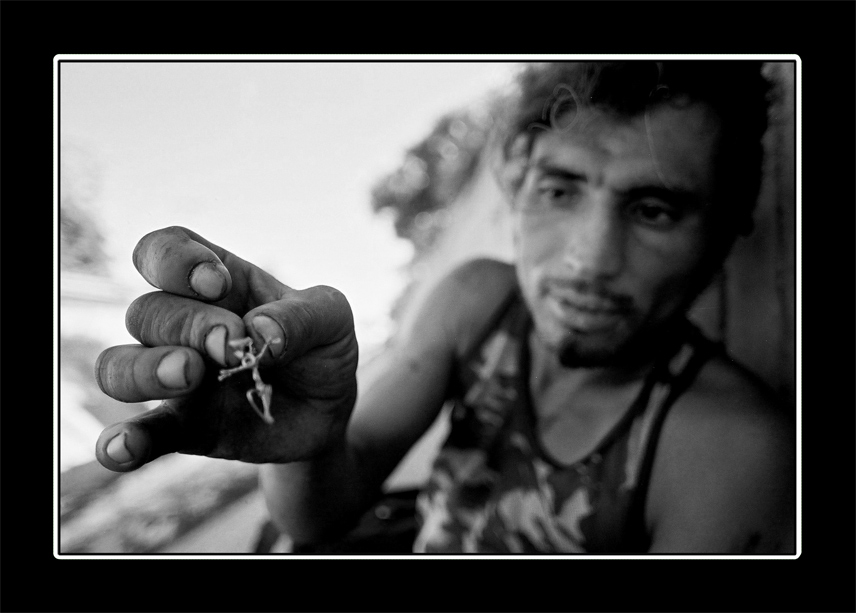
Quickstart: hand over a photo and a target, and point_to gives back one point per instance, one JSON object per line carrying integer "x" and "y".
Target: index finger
{"x": 179, "y": 261}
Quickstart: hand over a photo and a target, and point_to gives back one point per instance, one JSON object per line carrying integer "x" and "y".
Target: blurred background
{"x": 372, "y": 177}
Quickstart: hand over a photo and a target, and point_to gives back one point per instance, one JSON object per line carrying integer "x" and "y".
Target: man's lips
{"x": 582, "y": 318}
{"x": 588, "y": 313}
{"x": 590, "y": 304}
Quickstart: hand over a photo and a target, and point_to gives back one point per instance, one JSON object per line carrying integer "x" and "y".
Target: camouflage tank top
{"x": 494, "y": 490}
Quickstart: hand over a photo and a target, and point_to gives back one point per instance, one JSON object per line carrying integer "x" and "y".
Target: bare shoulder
{"x": 724, "y": 476}
{"x": 730, "y": 405}
{"x": 475, "y": 286}
{"x": 482, "y": 277}
{"x": 463, "y": 300}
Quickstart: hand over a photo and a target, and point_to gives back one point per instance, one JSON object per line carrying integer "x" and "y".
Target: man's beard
{"x": 641, "y": 347}
{"x": 571, "y": 355}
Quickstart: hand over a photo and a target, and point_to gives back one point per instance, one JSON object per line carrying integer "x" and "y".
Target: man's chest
{"x": 571, "y": 422}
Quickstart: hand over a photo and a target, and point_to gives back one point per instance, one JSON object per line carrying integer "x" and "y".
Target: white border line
{"x": 434, "y": 57}
{"x": 798, "y": 294}
{"x": 431, "y": 58}
{"x": 55, "y": 216}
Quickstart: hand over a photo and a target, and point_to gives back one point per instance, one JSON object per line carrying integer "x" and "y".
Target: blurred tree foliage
{"x": 81, "y": 244}
{"x": 433, "y": 173}
{"x": 80, "y": 241}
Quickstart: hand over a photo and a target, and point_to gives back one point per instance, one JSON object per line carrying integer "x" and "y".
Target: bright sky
{"x": 272, "y": 161}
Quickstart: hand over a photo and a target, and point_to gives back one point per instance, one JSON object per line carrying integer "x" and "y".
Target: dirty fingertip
{"x": 117, "y": 449}
{"x": 215, "y": 344}
{"x": 210, "y": 280}
{"x": 271, "y": 332}
{"x": 127, "y": 448}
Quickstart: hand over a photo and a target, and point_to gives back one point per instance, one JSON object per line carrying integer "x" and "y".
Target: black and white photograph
{"x": 418, "y": 306}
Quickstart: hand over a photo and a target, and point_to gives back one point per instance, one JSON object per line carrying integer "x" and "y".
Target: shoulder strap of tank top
{"x": 702, "y": 350}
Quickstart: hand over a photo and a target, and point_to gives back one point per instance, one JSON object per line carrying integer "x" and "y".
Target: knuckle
{"x": 134, "y": 315}
{"x": 142, "y": 316}
{"x": 101, "y": 369}
{"x": 339, "y": 303}
{"x": 159, "y": 318}
{"x": 149, "y": 320}
{"x": 153, "y": 247}
{"x": 144, "y": 242}
{"x": 114, "y": 372}
{"x": 143, "y": 248}
{"x": 332, "y": 296}
{"x": 328, "y": 308}
{"x": 194, "y": 326}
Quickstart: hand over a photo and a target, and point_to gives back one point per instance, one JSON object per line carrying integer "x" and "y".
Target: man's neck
{"x": 546, "y": 369}
{"x": 626, "y": 369}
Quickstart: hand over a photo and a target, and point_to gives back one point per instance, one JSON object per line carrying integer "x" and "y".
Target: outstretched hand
{"x": 208, "y": 298}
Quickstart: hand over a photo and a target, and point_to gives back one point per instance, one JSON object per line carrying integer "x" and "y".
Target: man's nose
{"x": 595, "y": 248}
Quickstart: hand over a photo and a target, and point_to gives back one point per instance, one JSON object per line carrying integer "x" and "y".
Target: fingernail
{"x": 172, "y": 370}
{"x": 208, "y": 279}
{"x": 215, "y": 344}
{"x": 118, "y": 451}
{"x": 269, "y": 330}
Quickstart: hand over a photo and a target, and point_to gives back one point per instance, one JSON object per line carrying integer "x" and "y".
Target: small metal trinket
{"x": 249, "y": 361}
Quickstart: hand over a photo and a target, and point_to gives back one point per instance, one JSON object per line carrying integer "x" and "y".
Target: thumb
{"x": 130, "y": 444}
{"x": 300, "y": 321}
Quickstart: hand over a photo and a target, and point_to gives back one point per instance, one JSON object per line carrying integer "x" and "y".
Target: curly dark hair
{"x": 735, "y": 89}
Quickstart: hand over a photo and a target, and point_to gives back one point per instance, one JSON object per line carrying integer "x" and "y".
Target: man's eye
{"x": 654, "y": 214}
{"x": 553, "y": 194}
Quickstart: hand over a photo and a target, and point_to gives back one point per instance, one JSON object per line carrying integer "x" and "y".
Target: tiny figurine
{"x": 249, "y": 361}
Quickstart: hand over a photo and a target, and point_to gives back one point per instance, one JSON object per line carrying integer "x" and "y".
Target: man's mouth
{"x": 584, "y": 313}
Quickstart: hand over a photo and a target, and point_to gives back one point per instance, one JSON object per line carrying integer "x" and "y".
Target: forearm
{"x": 401, "y": 394}
{"x": 317, "y": 500}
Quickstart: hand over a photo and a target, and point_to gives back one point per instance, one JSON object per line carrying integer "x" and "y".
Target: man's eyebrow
{"x": 677, "y": 195}
{"x": 674, "y": 194}
{"x": 546, "y": 168}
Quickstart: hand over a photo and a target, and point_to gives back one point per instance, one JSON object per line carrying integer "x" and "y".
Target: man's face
{"x": 612, "y": 227}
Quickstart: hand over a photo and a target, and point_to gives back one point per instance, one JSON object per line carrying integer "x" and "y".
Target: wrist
{"x": 311, "y": 499}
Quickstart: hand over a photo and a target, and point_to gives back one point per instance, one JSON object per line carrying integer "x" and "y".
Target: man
{"x": 588, "y": 415}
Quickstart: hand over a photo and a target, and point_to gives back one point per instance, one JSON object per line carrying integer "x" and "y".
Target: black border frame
{"x": 820, "y": 32}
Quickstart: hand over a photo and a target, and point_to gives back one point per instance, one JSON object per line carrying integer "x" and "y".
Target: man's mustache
{"x": 586, "y": 294}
